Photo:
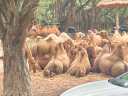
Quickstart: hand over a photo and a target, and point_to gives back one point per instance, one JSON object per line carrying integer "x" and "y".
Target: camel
{"x": 96, "y": 38}
{"x": 114, "y": 63}
{"x": 50, "y": 30}
{"x": 55, "y": 65}
{"x": 91, "y": 54}
{"x": 32, "y": 34}
{"x": 104, "y": 35}
{"x": 80, "y": 66}
{"x": 79, "y": 40}
{"x": 43, "y": 50}
{"x": 63, "y": 57}
{"x": 119, "y": 39}
{"x": 111, "y": 63}
{"x": 33, "y": 65}
{"x": 63, "y": 36}
{"x": 47, "y": 30}
{"x": 104, "y": 52}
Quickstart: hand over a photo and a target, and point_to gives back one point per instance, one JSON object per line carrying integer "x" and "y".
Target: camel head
{"x": 102, "y": 33}
{"x": 90, "y": 32}
{"x": 68, "y": 41}
{"x": 79, "y": 35}
{"x": 103, "y": 42}
{"x": 38, "y": 26}
{"x": 90, "y": 37}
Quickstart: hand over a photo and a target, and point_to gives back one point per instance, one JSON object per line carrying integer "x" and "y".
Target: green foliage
{"x": 44, "y": 12}
{"x": 107, "y": 18}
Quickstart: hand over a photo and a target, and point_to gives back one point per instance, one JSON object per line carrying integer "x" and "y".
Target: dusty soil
{"x": 43, "y": 85}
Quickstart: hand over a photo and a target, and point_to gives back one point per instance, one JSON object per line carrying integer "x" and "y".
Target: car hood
{"x": 98, "y": 88}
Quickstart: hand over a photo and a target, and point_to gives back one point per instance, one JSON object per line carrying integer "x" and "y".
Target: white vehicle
{"x": 113, "y": 87}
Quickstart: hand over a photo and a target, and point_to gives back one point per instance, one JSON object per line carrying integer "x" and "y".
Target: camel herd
{"x": 77, "y": 57}
{"x": 98, "y": 53}
{"x": 39, "y": 31}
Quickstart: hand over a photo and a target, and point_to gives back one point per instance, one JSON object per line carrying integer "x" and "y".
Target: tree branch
{"x": 19, "y": 4}
{"x": 105, "y": 13}
{"x": 65, "y": 5}
{"x": 2, "y": 27}
{"x": 28, "y": 19}
{"x": 4, "y": 9}
{"x": 13, "y": 9}
{"x": 81, "y": 7}
{"x": 28, "y": 7}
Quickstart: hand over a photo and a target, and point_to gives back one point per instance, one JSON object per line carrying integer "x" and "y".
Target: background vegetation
{"x": 81, "y": 14}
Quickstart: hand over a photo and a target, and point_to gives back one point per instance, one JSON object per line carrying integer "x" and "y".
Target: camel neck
{"x": 106, "y": 49}
{"x": 62, "y": 48}
{"x": 106, "y": 37}
{"x": 92, "y": 43}
{"x": 118, "y": 52}
{"x": 56, "y": 53}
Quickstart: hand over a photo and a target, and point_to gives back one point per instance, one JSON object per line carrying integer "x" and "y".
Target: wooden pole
{"x": 117, "y": 18}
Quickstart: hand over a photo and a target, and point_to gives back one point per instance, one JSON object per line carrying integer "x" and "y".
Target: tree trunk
{"x": 93, "y": 15}
{"x": 18, "y": 16}
{"x": 17, "y": 81}
{"x": 64, "y": 26}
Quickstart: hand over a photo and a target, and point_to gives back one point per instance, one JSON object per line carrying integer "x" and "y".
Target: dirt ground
{"x": 43, "y": 85}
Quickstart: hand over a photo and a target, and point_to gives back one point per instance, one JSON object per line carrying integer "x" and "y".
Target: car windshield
{"x": 121, "y": 80}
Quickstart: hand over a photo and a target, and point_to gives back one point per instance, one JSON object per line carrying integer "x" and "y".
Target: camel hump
{"x": 50, "y": 38}
{"x": 38, "y": 38}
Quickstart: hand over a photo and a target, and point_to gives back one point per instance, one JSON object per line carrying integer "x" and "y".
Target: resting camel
{"x": 91, "y": 54}
{"x": 81, "y": 65}
{"x": 119, "y": 39}
{"x": 55, "y": 65}
{"x": 113, "y": 63}
{"x": 43, "y": 50}
{"x": 63, "y": 57}
{"x": 63, "y": 36}
{"x": 104, "y": 52}
{"x": 50, "y": 30}
{"x": 33, "y": 65}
